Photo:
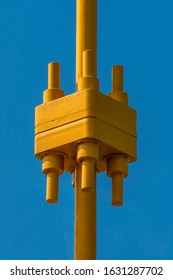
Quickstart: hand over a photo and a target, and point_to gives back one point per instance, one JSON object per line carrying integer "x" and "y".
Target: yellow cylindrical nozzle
{"x": 117, "y": 189}
{"x": 88, "y": 175}
{"x": 88, "y": 78}
{"x": 117, "y": 85}
{"x": 117, "y": 169}
{"x": 88, "y": 64}
{"x": 87, "y": 155}
{"x": 52, "y": 187}
{"x": 53, "y": 166}
{"x": 117, "y": 77}
{"x": 53, "y": 92}
{"x": 53, "y": 75}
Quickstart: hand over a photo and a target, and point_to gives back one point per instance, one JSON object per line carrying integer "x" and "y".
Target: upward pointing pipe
{"x": 86, "y": 33}
{"x": 86, "y": 69}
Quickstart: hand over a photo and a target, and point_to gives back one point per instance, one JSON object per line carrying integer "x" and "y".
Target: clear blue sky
{"x": 136, "y": 34}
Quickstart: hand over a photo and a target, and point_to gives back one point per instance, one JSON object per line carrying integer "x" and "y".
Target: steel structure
{"x": 86, "y": 132}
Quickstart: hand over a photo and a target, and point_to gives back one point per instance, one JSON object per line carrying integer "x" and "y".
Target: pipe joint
{"x": 87, "y": 155}
{"x": 53, "y": 92}
{"x": 88, "y": 79}
{"x": 52, "y": 166}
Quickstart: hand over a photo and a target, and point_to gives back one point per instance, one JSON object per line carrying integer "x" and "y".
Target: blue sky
{"x": 136, "y": 34}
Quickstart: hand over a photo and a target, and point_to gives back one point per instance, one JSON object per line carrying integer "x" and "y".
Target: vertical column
{"x": 85, "y": 202}
{"x": 85, "y": 220}
{"x": 86, "y": 32}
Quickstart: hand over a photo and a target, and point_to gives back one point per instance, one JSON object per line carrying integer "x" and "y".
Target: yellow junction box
{"x": 87, "y": 114}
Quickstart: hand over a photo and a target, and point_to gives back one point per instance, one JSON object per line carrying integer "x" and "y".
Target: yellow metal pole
{"x": 86, "y": 33}
{"x": 85, "y": 201}
{"x": 85, "y": 220}
{"x": 86, "y": 132}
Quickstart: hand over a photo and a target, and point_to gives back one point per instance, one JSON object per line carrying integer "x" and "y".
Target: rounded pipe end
{"x": 117, "y": 77}
{"x": 117, "y": 190}
{"x": 52, "y": 188}
{"x": 53, "y": 75}
{"x": 88, "y": 175}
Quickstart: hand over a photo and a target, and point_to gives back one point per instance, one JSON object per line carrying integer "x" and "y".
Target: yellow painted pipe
{"x": 87, "y": 155}
{"x": 85, "y": 221}
{"x": 88, "y": 175}
{"x": 117, "y": 85}
{"x": 52, "y": 166}
{"x": 117, "y": 169}
{"x": 53, "y": 75}
{"x": 86, "y": 32}
{"x": 53, "y": 92}
{"x": 88, "y": 79}
{"x": 117, "y": 189}
{"x": 52, "y": 187}
{"x": 117, "y": 77}
{"x": 88, "y": 64}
